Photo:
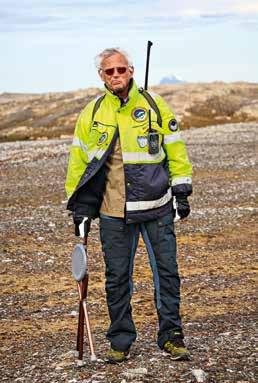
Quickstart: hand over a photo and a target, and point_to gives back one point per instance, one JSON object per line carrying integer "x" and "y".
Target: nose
{"x": 116, "y": 74}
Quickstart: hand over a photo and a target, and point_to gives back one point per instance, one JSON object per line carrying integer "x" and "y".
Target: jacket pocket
{"x": 100, "y": 135}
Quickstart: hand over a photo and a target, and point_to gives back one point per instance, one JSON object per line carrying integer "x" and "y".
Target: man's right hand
{"x": 82, "y": 225}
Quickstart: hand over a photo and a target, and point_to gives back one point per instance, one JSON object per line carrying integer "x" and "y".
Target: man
{"x": 127, "y": 173}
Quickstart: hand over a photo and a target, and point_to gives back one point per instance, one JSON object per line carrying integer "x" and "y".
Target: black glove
{"x": 81, "y": 231}
{"x": 182, "y": 204}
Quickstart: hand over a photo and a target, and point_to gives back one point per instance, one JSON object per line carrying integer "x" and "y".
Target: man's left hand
{"x": 182, "y": 205}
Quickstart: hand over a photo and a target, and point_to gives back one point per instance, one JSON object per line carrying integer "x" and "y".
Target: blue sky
{"x": 50, "y": 45}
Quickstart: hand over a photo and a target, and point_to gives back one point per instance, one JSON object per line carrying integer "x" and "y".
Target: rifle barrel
{"x": 147, "y": 64}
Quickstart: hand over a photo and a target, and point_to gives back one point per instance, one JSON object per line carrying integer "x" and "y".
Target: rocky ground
{"x": 38, "y": 116}
{"x": 216, "y": 254}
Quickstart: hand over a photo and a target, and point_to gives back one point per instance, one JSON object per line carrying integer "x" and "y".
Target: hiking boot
{"x": 115, "y": 356}
{"x": 176, "y": 348}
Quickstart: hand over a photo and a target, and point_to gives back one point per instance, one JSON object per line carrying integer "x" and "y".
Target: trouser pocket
{"x": 113, "y": 233}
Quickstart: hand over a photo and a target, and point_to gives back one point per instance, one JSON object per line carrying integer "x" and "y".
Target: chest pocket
{"x": 142, "y": 131}
{"x": 100, "y": 135}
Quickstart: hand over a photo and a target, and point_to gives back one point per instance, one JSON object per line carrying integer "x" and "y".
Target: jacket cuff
{"x": 82, "y": 210}
{"x": 182, "y": 189}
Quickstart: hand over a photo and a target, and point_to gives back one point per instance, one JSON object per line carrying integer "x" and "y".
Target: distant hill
{"x": 172, "y": 79}
{"x": 33, "y": 116}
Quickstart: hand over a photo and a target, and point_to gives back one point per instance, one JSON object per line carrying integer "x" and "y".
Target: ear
{"x": 101, "y": 74}
{"x": 131, "y": 70}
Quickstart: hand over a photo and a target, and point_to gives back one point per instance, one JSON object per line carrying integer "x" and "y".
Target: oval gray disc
{"x": 79, "y": 263}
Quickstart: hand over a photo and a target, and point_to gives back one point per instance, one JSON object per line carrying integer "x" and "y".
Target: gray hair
{"x": 110, "y": 52}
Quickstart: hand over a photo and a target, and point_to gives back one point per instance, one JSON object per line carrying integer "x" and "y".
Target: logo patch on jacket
{"x": 142, "y": 141}
{"x": 102, "y": 138}
{"x": 139, "y": 114}
{"x": 173, "y": 125}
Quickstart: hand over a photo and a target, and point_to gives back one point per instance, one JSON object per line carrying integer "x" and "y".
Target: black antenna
{"x": 147, "y": 64}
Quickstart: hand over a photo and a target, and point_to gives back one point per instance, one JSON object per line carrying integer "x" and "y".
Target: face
{"x": 117, "y": 82}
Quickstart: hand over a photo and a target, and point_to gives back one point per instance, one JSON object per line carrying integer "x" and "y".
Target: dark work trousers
{"x": 119, "y": 242}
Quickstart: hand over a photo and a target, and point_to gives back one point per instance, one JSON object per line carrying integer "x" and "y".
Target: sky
{"x": 50, "y": 45}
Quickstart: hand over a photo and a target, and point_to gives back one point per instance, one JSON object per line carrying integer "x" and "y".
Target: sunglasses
{"x": 111, "y": 71}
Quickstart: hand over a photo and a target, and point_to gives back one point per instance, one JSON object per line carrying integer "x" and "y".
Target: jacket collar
{"x": 133, "y": 92}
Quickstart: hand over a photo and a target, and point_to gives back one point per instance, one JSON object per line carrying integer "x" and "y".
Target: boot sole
{"x": 180, "y": 357}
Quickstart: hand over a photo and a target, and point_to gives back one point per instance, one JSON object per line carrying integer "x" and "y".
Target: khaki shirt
{"x": 113, "y": 203}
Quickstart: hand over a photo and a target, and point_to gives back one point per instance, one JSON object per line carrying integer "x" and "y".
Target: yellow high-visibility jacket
{"x": 150, "y": 179}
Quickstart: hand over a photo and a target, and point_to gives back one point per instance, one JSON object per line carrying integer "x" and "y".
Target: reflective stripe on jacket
{"x": 148, "y": 177}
